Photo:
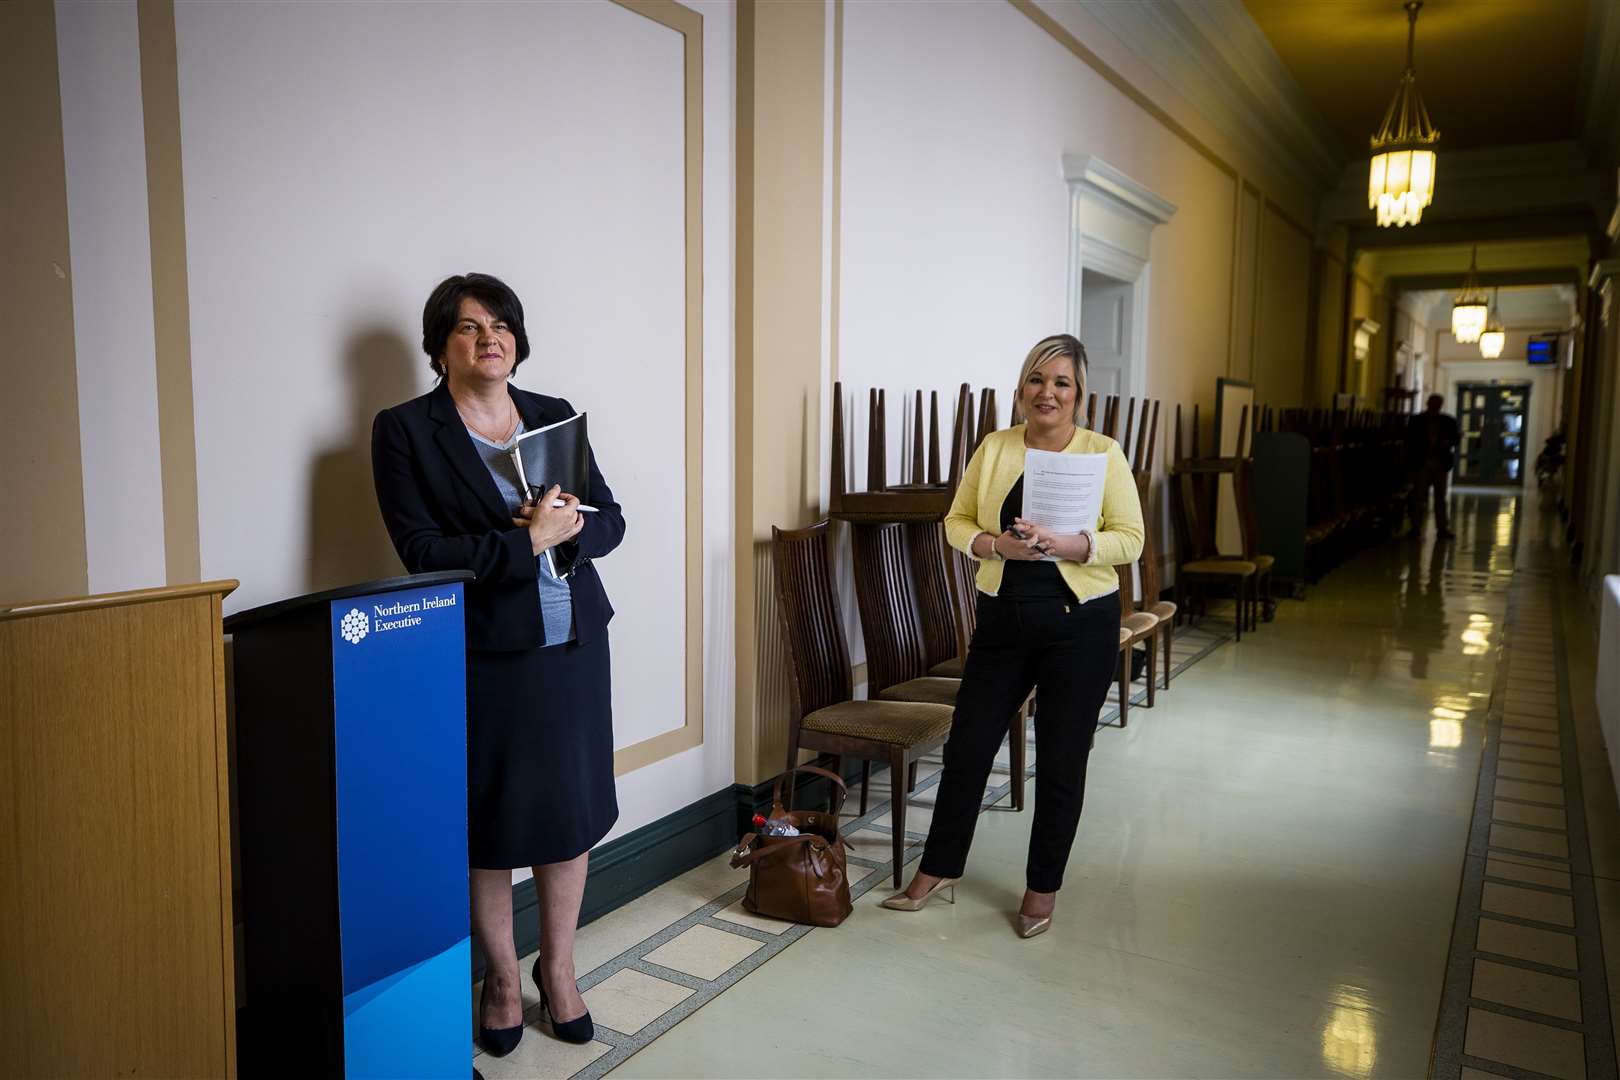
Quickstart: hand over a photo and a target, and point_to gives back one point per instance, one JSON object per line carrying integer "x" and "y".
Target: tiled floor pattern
{"x": 665, "y": 977}
{"x": 1526, "y": 992}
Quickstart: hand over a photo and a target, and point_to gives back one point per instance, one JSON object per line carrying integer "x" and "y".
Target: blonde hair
{"x": 1056, "y": 347}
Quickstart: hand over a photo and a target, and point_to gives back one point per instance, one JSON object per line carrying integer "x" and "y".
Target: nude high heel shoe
{"x": 901, "y": 902}
{"x": 1029, "y": 927}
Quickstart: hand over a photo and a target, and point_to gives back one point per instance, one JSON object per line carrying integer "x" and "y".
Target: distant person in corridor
{"x": 1431, "y": 451}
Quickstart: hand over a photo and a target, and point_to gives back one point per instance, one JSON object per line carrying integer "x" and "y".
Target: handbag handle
{"x": 747, "y": 853}
{"x": 835, "y": 801}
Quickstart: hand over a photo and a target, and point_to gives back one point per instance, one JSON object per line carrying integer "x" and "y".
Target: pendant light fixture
{"x": 1494, "y": 337}
{"x": 1468, "y": 309}
{"x": 1400, "y": 182}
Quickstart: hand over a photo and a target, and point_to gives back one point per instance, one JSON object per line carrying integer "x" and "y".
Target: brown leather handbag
{"x": 804, "y": 878}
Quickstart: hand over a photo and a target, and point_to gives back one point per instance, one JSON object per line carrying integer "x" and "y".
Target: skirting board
{"x": 640, "y": 861}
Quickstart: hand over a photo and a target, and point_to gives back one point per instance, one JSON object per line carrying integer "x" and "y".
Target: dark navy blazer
{"x": 444, "y": 512}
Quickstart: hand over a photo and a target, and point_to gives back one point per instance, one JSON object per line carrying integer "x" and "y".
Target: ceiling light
{"x": 1494, "y": 337}
{"x": 1400, "y": 182}
{"x": 1468, "y": 308}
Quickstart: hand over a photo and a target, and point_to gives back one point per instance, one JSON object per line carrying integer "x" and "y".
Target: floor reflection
{"x": 1350, "y": 1035}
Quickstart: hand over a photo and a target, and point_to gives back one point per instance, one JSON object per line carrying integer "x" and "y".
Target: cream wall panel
{"x": 109, "y": 236}
{"x": 543, "y": 143}
{"x": 42, "y": 549}
{"x": 1246, "y": 285}
{"x": 1282, "y": 360}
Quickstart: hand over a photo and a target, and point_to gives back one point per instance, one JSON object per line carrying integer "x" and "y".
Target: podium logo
{"x": 355, "y": 626}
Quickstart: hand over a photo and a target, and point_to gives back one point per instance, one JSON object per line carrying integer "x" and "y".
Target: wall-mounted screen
{"x": 1542, "y": 349}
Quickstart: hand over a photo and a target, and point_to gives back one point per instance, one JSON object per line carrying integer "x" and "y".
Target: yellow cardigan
{"x": 998, "y": 463}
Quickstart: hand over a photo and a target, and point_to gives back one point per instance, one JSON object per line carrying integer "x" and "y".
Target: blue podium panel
{"x": 399, "y": 671}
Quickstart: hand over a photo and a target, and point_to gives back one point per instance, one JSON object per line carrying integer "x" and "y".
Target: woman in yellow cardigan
{"x": 1048, "y": 625}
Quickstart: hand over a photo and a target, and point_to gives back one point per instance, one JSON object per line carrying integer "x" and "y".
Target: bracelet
{"x": 994, "y": 554}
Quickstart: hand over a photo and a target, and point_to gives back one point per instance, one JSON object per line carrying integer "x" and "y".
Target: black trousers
{"x": 1068, "y": 652}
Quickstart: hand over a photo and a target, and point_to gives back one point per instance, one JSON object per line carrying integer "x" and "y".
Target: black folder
{"x": 558, "y": 454}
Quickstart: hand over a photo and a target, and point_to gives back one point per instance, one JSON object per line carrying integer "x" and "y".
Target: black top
{"x": 1431, "y": 438}
{"x": 444, "y": 512}
{"x": 1028, "y": 580}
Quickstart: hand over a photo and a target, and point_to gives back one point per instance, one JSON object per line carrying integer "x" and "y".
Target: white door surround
{"x": 1111, "y": 222}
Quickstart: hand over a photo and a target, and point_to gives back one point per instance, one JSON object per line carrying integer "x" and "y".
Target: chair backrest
{"x": 807, "y": 606}
{"x": 890, "y": 623}
{"x": 1243, "y": 493}
{"x": 930, "y": 572}
{"x": 961, "y": 572}
{"x": 1149, "y": 560}
{"x": 1190, "y": 488}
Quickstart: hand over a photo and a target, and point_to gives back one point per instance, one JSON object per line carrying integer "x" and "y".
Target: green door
{"x": 1491, "y": 418}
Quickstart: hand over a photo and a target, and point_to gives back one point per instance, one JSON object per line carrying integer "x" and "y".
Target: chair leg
{"x": 1241, "y": 596}
{"x": 911, "y": 778}
{"x": 1152, "y": 670}
{"x": 866, "y": 782}
{"x": 1124, "y": 686}
{"x": 793, "y": 748}
{"x": 1020, "y": 735}
{"x": 897, "y": 810}
{"x": 1169, "y": 636}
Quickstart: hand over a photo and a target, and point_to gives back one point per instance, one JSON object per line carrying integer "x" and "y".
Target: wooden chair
{"x": 895, "y": 630}
{"x": 1135, "y": 625}
{"x": 1199, "y": 563}
{"x": 1261, "y": 602}
{"x": 1147, "y": 444}
{"x": 825, "y": 716}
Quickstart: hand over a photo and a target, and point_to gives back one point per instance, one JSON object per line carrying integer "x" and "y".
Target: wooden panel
{"x": 115, "y": 921}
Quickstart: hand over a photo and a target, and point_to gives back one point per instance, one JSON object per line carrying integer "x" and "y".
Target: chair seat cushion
{"x": 930, "y": 689}
{"x": 948, "y": 669}
{"x": 1163, "y": 610}
{"x": 898, "y": 723}
{"x": 1125, "y": 636}
{"x": 1219, "y": 567}
{"x": 1139, "y": 623}
{"x": 1263, "y": 563}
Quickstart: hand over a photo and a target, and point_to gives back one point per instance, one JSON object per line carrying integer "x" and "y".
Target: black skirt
{"x": 539, "y": 754}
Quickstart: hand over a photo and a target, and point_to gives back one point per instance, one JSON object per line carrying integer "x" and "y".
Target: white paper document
{"x": 1063, "y": 492}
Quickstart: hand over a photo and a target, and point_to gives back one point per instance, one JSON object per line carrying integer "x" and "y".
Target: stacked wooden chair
{"x": 1194, "y": 489}
{"x": 1138, "y": 623}
{"x": 915, "y": 596}
{"x": 826, "y": 716}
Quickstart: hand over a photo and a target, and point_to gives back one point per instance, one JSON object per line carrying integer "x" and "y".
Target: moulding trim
{"x": 1090, "y": 175}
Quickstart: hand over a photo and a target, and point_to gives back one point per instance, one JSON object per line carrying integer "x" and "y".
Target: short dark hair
{"x": 442, "y": 309}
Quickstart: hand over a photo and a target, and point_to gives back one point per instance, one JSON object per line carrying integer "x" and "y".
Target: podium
{"x": 351, "y": 756}
{"x": 116, "y": 956}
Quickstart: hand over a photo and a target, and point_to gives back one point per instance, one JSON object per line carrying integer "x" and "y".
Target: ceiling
{"x": 1539, "y": 306}
{"x": 1492, "y": 72}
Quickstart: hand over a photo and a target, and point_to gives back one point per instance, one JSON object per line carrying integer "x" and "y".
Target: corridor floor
{"x": 1292, "y": 866}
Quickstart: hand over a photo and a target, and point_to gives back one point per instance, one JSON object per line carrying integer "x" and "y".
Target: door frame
{"x": 1497, "y": 386}
{"x": 1111, "y": 223}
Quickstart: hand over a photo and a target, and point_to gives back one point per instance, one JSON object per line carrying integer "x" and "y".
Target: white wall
{"x": 339, "y": 160}
{"x": 955, "y": 214}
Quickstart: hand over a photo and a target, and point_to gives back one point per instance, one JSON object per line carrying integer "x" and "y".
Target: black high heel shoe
{"x": 578, "y": 1030}
{"x": 497, "y": 1042}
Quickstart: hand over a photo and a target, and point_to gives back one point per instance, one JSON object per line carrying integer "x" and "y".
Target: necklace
{"x": 1067, "y": 439}
{"x": 511, "y": 425}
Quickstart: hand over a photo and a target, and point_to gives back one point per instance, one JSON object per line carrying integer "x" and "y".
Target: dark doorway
{"x": 1491, "y": 417}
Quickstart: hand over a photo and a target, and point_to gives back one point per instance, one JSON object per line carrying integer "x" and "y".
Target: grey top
{"x": 556, "y": 599}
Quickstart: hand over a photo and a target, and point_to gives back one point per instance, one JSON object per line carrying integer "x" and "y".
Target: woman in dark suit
{"x": 540, "y": 789}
